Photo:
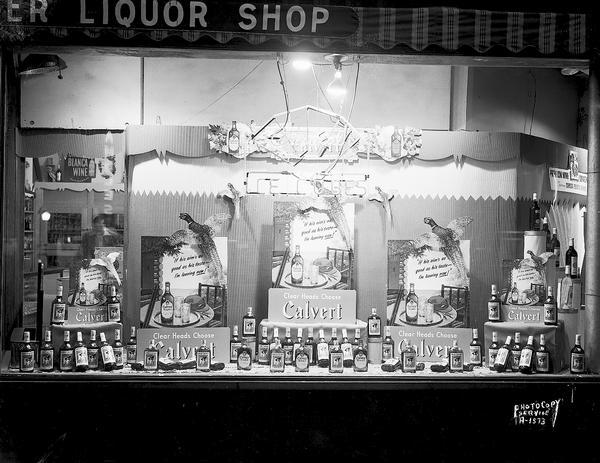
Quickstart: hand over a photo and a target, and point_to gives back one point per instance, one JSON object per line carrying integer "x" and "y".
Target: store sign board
{"x": 78, "y": 169}
{"x": 270, "y": 183}
{"x": 263, "y": 18}
{"x": 430, "y": 342}
{"x": 181, "y": 344}
{"x": 310, "y": 306}
{"x": 526, "y": 314}
{"x": 566, "y": 181}
{"x": 87, "y": 315}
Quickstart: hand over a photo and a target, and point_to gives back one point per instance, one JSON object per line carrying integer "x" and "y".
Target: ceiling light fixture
{"x": 37, "y": 63}
{"x": 336, "y": 87}
{"x": 45, "y": 216}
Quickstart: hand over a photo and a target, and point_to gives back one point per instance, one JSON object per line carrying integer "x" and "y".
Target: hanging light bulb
{"x": 336, "y": 87}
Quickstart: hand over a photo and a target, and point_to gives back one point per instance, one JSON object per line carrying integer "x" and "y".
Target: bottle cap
{"x": 542, "y": 339}
{"x": 26, "y": 336}
{"x": 299, "y": 332}
{"x": 508, "y": 340}
{"x": 92, "y": 335}
{"x": 475, "y": 333}
{"x": 494, "y": 289}
{"x": 250, "y": 311}
{"x": 578, "y": 339}
{"x": 117, "y": 334}
{"x": 344, "y": 333}
{"x": 321, "y": 333}
{"x": 530, "y": 340}
{"x": 545, "y": 220}
{"x": 59, "y": 289}
{"x": 310, "y": 332}
{"x": 235, "y": 330}
{"x": 494, "y": 336}
{"x": 113, "y": 290}
{"x": 409, "y": 343}
{"x": 388, "y": 331}
{"x": 454, "y": 343}
{"x": 67, "y": 335}
{"x": 265, "y": 331}
{"x": 334, "y": 332}
{"x": 79, "y": 337}
{"x": 133, "y": 331}
{"x": 517, "y": 336}
{"x": 554, "y": 230}
{"x": 534, "y": 196}
{"x": 357, "y": 333}
{"x": 288, "y": 332}
{"x": 373, "y": 311}
{"x": 102, "y": 337}
{"x": 48, "y": 336}
{"x": 275, "y": 332}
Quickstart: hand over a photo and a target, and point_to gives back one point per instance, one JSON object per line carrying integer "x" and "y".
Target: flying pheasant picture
{"x": 384, "y": 199}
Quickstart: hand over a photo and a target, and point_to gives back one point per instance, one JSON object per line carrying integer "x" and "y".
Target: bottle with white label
{"x": 526, "y": 362}
{"x": 493, "y": 350}
{"x": 81, "y": 354}
{"x": 571, "y": 258}
{"x": 151, "y": 357}
{"x": 297, "y": 268}
{"x": 347, "y": 349}
{"x": 167, "y": 306}
{"x": 456, "y": 358}
{"x": 93, "y": 352}
{"x": 277, "y": 361}
{"x": 118, "y": 350}
{"x": 502, "y": 361}
{"x": 516, "y": 353}
{"x": 203, "y": 357}
{"x": 577, "y": 363}
{"x": 302, "y": 358}
{"x": 65, "y": 353}
{"x": 565, "y": 291}
{"x": 264, "y": 348}
{"x": 244, "y": 357}
{"x": 494, "y": 305}
{"x": 47, "y": 353}
{"x": 288, "y": 347}
{"x": 360, "y": 357}
{"x": 249, "y": 324}
{"x": 113, "y": 306}
{"x": 374, "y": 323}
{"x": 322, "y": 350}
{"x": 409, "y": 358}
{"x": 58, "y": 314}
{"x": 412, "y": 305}
{"x": 297, "y": 344}
{"x": 26, "y": 354}
{"x": 475, "y": 350}
{"x": 336, "y": 359}
{"x": 542, "y": 357}
{"x": 234, "y": 345}
{"x": 107, "y": 354}
{"x": 131, "y": 347}
{"x": 550, "y": 312}
{"x": 387, "y": 346}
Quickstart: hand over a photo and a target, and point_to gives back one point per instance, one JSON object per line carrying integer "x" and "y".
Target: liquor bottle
{"x": 577, "y": 364}
{"x": 494, "y": 305}
{"x": 336, "y": 359}
{"x": 65, "y": 353}
{"x": 81, "y": 354}
{"x": 542, "y": 357}
{"x": 26, "y": 354}
{"x": 93, "y": 352}
{"x": 396, "y": 143}
{"x": 288, "y": 347}
{"x": 347, "y": 349}
{"x": 234, "y": 345}
{"x": 113, "y": 306}
{"x": 526, "y": 362}
{"x": 493, "y": 350}
{"x": 167, "y": 305}
{"x": 387, "y": 346}
{"x": 249, "y": 324}
{"x": 514, "y": 294}
{"x": 360, "y": 359}
{"x": 302, "y": 358}
{"x": 312, "y": 347}
{"x": 59, "y": 312}
{"x": 550, "y": 312}
{"x": 203, "y": 357}
{"x": 132, "y": 347}
{"x": 565, "y": 291}
{"x": 297, "y": 267}
{"x": 263, "y": 348}
{"x": 47, "y": 353}
{"x": 409, "y": 358}
{"x": 107, "y": 355}
{"x": 244, "y": 357}
{"x": 58, "y": 174}
{"x": 118, "y": 350}
{"x": 412, "y": 305}
{"x": 475, "y": 350}
{"x": 151, "y": 357}
{"x": 502, "y": 361}
{"x": 333, "y": 337}
{"x": 82, "y": 296}
{"x": 571, "y": 258}
{"x": 275, "y": 339}
{"x": 548, "y": 235}
{"x": 457, "y": 358}
{"x": 322, "y": 350}
{"x": 356, "y": 339}
{"x": 534, "y": 214}
{"x": 277, "y": 358}
{"x": 374, "y": 323}
{"x": 516, "y": 353}
{"x": 555, "y": 247}
{"x": 233, "y": 141}
{"x": 297, "y": 343}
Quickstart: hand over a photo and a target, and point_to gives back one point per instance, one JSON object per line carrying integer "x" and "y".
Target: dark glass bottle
{"x": 387, "y": 346}
{"x": 502, "y": 361}
{"x": 297, "y": 344}
{"x": 82, "y": 295}
{"x": 263, "y": 348}
{"x": 107, "y": 355}
{"x": 412, "y": 305}
{"x": 356, "y": 339}
{"x": 347, "y": 349}
{"x": 457, "y": 358}
{"x": 577, "y": 363}
{"x": 277, "y": 361}
{"x": 361, "y": 359}
{"x": 288, "y": 347}
{"x": 26, "y": 354}
{"x": 322, "y": 350}
{"x": 203, "y": 357}
{"x": 336, "y": 358}
{"x": 547, "y": 233}
{"x": 475, "y": 350}
{"x": 527, "y": 360}
{"x": 334, "y": 338}
{"x": 494, "y": 305}
{"x": 81, "y": 354}
{"x": 297, "y": 268}
{"x": 409, "y": 358}
{"x": 534, "y": 214}
{"x": 542, "y": 357}
{"x": 302, "y": 358}
{"x": 233, "y": 140}
{"x": 47, "y": 353}
{"x": 151, "y": 357}
{"x": 118, "y": 350}
{"x": 493, "y": 350}
{"x": 374, "y": 324}
{"x": 516, "y": 353}
{"x": 249, "y": 324}
{"x": 234, "y": 345}
{"x": 113, "y": 306}
{"x": 65, "y": 353}
{"x": 555, "y": 247}
{"x": 244, "y": 357}
{"x": 93, "y": 352}
{"x": 550, "y": 312}
{"x": 59, "y": 311}
{"x": 131, "y": 347}
{"x": 167, "y": 306}
{"x": 571, "y": 258}
{"x": 312, "y": 346}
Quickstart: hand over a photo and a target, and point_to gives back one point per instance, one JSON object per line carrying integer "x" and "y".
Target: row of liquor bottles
{"x": 59, "y": 312}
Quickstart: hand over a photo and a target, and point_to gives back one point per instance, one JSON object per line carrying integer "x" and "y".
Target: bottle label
{"x": 577, "y": 363}
{"x": 297, "y": 271}
{"x": 166, "y": 310}
{"x": 493, "y": 354}
{"x": 108, "y": 356}
{"x": 59, "y": 313}
{"x": 244, "y": 361}
{"x": 81, "y": 357}
{"x": 360, "y": 361}
{"x": 288, "y": 350}
{"x": 573, "y": 266}
{"x": 516, "y": 359}
{"x": 47, "y": 360}
{"x": 263, "y": 353}
{"x": 233, "y": 353}
{"x": 66, "y": 360}
{"x": 412, "y": 309}
{"x": 151, "y": 360}
{"x": 374, "y": 327}
{"x": 27, "y": 361}
{"x": 501, "y": 357}
{"x": 347, "y": 351}
{"x": 456, "y": 361}
{"x": 131, "y": 354}
{"x": 526, "y": 357}
{"x": 410, "y": 361}
{"x": 118, "y": 351}
{"x": 549, "y": 313}
{"x": 336, "y": 361}
{"x": 322, "y": 351}
{"x": 302, "y": 362}
{"x": 494, "y": 311}
{"x": 387, "y": 351}
{"x": 249, "y": 327}
{"x": 114, "y": 312}
{"x": 542, "y": 361}
{"x": 203, "y": 360}
{"x": 234, "y": 143}
{"x": 93, "y": 358}
{"x": 475, "y": 355}
{"x": 277, "y": 361}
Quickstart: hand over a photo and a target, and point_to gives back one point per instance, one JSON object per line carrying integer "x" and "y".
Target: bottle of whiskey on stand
{"x": 203, "y": 357}
{"x": 516, "y": 353}
{"x": 387, "y": 346}
{"x": 113, "y": 306}
{"x": 297, "y": 343}
{"x": 107, "y": 355}
{"x": 167, "y": 306}
{"x": 249, "y": 324}
{"x": 374, "y": 324}
{"x": 151, "y": 357}
{"x": 277, "y": 362}
{"x": 493, "y": 350}
{"x": 571, "y": 258}
{"x": 65, "y": 353}
{"x": 82, "y": 296}
{"x": 302, "y": 358}
{"x": 334, "y": 337}
{"x": 244, "y": 359}
{"x": 118, "y": 350}
{"x": 514, "y": 294}
{"x": 534, "y": 214}
{"x": 297, "y": 267}
{"x": 412, "y": 305}
{"x": 264, "y": 348}
{"x": 288, "y": 347}
{"x": 26, "y": 354}
{"x": 93, "y": 352}
{"x": 494, "y": 305}
{"x": 542, "y": 357}
{"x": 131, "y": 347}
{"x": 526, "y": 362}
{"x": 475, "y": 350}
{"x": 234, "y": 345}
{"x": 550, "y": 312}
{"x": 47, "y": 353}
{"x": 81, "y": 354}
{"x": 361, "y": 359}
{"x": 502, "y": 361}
{"x": 275, "y": 339}
{"x": 312, "y": 347}
{"x": 555, "y": 247}
{"x": 565, "y": 290}
{"x": 322, "y": 350}
{"x": 577, "y": 363}
{"x": 347, "y": 349}
{"x": 456, "y": 358}
{"x": 336, "y": 359}
{"x": 409, "y": 358}
{"x": 59, "y": 313}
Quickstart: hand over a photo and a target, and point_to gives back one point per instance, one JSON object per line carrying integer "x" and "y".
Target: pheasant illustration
{"x": 383, "y": 198}
{"x": 537, "y": 262}
{"x": 234, "y": 195}
{"x": 202, "y": 236}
